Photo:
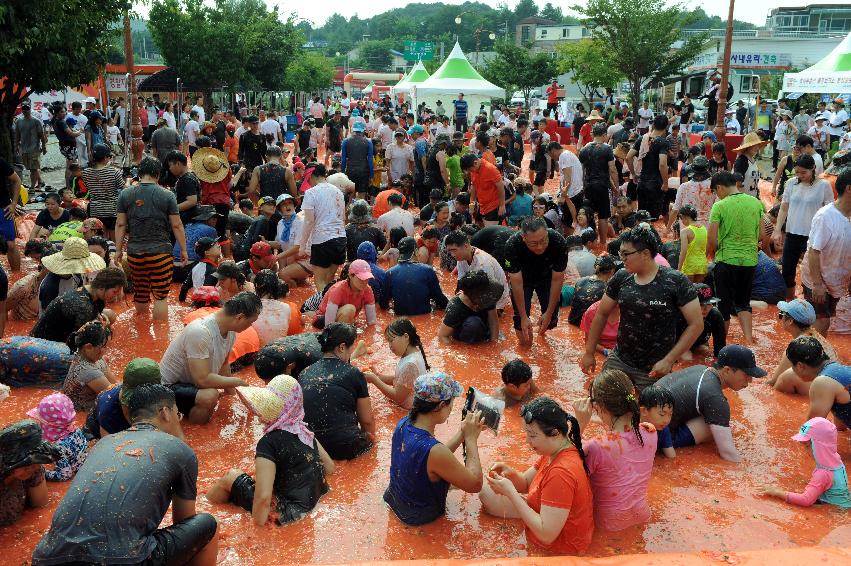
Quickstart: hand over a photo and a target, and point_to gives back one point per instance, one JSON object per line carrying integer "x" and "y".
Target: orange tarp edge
{"x": 785, "y": 557}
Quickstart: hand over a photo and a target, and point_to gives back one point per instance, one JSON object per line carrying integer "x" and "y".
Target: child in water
{"x": 517, "y": 383}
{"x": 829, "y": 482}
{"x": 657, "y": 407}
{"x": 55, "y": 413}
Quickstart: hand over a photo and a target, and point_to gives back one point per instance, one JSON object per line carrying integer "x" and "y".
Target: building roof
{"x": 537, "y": 21}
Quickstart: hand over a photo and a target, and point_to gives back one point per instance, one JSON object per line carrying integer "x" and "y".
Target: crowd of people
{"x": 373, "y": 211}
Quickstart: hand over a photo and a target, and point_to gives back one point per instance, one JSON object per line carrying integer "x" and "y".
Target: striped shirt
{"x": 104, "y": 185}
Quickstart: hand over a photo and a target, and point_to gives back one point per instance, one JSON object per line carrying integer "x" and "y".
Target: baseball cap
{"x": 436, "y": 386}
{"x": 203, "y": 245}
{"x": 358, "y": 127}
{"x": 741, "y": 358}
{"x": 101, "y": 151}
{"x": 261, "y": 249}
{"x": 282, "y": 197}
{"x": 265, "y": 200}
{"x": 360, "y": 269}
{"x": 92, "y": 224}
{"x": 704, "y": 294}
{"x": 205, "y": 212}
{"x": 407, "y": 246}
{"x": 139, "y": 371}
{"x": 415, "y": 129}
{"x": 817, "y": 429}
{"x": 801, "y": 311}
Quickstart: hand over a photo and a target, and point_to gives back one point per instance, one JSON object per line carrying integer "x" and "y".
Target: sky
{"x": 753, "y": 11}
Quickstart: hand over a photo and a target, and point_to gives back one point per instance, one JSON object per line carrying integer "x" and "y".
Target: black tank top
{"x": 272, "y": 176}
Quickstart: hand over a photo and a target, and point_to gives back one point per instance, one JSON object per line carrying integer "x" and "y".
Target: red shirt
{"x": 552, "y": 94}
{"x": 485, "y": 180}
{"x": 585, "y": 133}
{"x": 381, "y": 205}
{"x": 216, "y": 193}
{"x": 341, "y": 293}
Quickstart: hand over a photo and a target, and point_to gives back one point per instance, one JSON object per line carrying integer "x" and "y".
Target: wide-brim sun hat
{"x": 360, "y": 212}
{"x": 341, "y": 181}
{"x": 210, "y": 165}
{"x": 75, "y": 258}
{"x": 841, "y": 160}
{"x": 622, "y": 150}
{"x": 268, "y": 402}
{"x": 751, "y": 140}
{"x": 594, "y": 115}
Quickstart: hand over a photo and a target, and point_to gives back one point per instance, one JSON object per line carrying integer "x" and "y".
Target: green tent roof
{"x": 837, "y": 60}
{"x": 457, "y": 66}
{"x": 417, "y": 75}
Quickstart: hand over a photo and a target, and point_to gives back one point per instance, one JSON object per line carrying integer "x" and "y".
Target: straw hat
{"x": 268, "y": 402}
{"x": 75, "y": 258}
{"x": 750, "y": 140}
{"x": 622, "y": 150}
{"x": 594, "y": 115}
{"x": 210, "y": 165}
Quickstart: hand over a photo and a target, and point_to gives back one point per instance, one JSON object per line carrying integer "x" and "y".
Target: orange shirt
{"x": 247, "y": 341}
{"x": 232, "y": 149}
{"x": 381, "y": 205}
{"x": 296, "y": 326}
{"x": 564, "y": 484}
{"x": 488, "y": 156}
{"x": 485, "y": 180}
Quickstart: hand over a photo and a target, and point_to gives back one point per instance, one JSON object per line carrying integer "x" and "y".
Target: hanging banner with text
{"x": 755, "y": 60}
{"x": 819, "y": 81}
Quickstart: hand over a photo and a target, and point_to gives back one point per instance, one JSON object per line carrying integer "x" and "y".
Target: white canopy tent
{"x": 830, "y": 75}
{"x": 455, "y": 76}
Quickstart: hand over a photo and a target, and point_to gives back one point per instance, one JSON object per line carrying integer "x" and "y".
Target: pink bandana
{"x": 55, "y": 413}
{"x": 292, "y": 416}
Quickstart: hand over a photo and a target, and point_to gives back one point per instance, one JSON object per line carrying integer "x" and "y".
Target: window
{"x": 565, "y": 32}
{"x": 524, "y": 34}
{"x": 543, "y": 33}
{"x": 749, "y": 83}
{"x": 695, "y": 86}
{"x": 585, "y": 32}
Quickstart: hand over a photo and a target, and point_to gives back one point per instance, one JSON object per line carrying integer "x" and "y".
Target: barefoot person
{"x": 830, "y": 382}
{"x": 195, "y": 364}
{"x": 152, "y": 468}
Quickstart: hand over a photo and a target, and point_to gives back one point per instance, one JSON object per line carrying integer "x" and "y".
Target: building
{"x": 815, "y": 18}
{"x": 526, "y": 30}
{"x": 544, "y": 35}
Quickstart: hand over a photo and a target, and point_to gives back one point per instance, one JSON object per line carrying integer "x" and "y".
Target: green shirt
{"x": 453, "y": 166}
{"x": 738, "y": 217}
{"x": 66, "y": 230}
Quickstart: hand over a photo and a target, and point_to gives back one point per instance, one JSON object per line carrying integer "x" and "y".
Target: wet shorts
{"x": 326, "y": 254}
{"x": 108, "y": 221}
{"x": 184, "y": 396}
{"x": 151, "y": 275}
{"x": 242, "y": 492}
{"x": 7, "y": 228}
{"x": 69, "y": 152}
{"x": 681, "y": 437}
{"x": 827, "y": 309}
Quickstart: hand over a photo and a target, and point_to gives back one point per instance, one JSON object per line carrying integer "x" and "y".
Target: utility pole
{"x": 720, "y": 128}
{"x": 137, "y": 146}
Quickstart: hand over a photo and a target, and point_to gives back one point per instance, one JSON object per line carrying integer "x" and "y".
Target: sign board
{"x": 419, "y": 50}
{"x": 116, "y": 82}
{"x": 818, "y": 81}
{"x": 756, "y": 60}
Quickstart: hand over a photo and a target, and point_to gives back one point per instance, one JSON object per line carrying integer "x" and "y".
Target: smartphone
{"x": 490, "y": 408}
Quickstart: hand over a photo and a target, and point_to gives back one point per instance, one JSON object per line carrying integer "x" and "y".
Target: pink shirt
{"x": 820, "y": 482}
{"x": 341, "y": 294}
{"x": 619, "y": 469}
{"x": 609, "y": 337}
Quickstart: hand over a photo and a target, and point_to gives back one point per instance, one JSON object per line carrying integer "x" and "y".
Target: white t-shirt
{"x": 733, "y": 126}
{"x": 153, "y": 113}
{"x": 396, "y": 217}
{"x": 329, "y": 208}
{"x": 202, "y": 116}
{"x": 201, "y": 340}
{"x": 408, "y": 369}
{"x": 295, "y": 233}
{"x": 270, "y": 126}
{"x": 569, "y": 159}
{"x": 819, "y": 163}
{"x": 831, "y": 236}
{"x": 385, "y": 132}
{"x": 613, "y": 129}
{"x": 81, "y": 120}
{"x": 485, "y": 262}
{"x": 820, "y": 136}
{"x": 113, "y": 134}
{"x": 317, "y": 110}
{"x": 345, "y": 104}
{"x": 191, "y": 131}
{"x": 273, "y": 322}
{"x": 837, "y": 122}
{"x": 804, "y": 201}
{"x": 169, "y": 120}
{"x": 644, "y": 117}
{"x": 399, "y": 158}
{"x": 45, "y": 114}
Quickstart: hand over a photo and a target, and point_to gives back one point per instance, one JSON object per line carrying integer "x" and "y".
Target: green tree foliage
{"x": 639, "y": 36}
{"x": 232, "y": 42}
{"x": 375, "y": 54}
{"x": 704, "y": 21}
{"x": 40, "y": 51}
{"x": 588, "y": 62}
{"x": 526, "y": 9}
{"x": 310, "y": 72}
{"x": 517, "y": 68}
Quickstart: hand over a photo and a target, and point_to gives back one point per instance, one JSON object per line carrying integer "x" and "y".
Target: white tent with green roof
{"x": 415, "y": 76}
{"x": 830, "y": 75}
{"x": 456, "y": 76}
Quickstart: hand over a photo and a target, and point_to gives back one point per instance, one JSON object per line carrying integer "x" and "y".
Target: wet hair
{"x": 93, "y": 332}
{"x": 553, "y": 420}
{"x": 806, "y": 350}
{"x": 696, "y": 149}
{"x": 39, "y": 247}
{"x": 151, "y": 167}
{"x": 243, "y": 303}
{"x": 843, "y": 180}
{"x": 516, "y": 372}
{"x": 807, "y": 162}
{"x": 553, "y": 145}
{"x": 613, "y": 390}
{"x": 719, "y": 147}
{"x": 267, "y": 283}
{"x": 423, "y": 407}
{"x": 246, "y": 203}
{"x": 319, "y": 169}
{"x": 77, "y": 213}
{"x": 473, "y": 281}
{"x": 335, "y": 334}
{"x": 429, "y": 233}
{"x": 642, "y": 238}
{"x": 457, "y": 221}
{"x": 403, "y": 325}
{"x": 588, "y": 235}
{"x": 722, "y": 179}
{"x": 396, "y": 234}
{"x": 148, "y": 399}
{"x": 102, "y": 242}
{"x": 440, "y": 206}
{"x": 109, "y": 278}
{"x": 532, "y": 224}
{"x": 228, "y": 269}
{"x": 572, "y": 242}
{"x": 395, "y": 199}
{"x": 804, "y": 140}
{"x": 456, "y": 238}
{"x": 660, "y": 122}
{"x": 54, "y": 197}
{"x": 656, "y": 396}
{"x": 175, "y": 157}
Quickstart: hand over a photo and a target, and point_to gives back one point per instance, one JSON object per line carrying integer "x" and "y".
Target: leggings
{"x": 794, "y": 246}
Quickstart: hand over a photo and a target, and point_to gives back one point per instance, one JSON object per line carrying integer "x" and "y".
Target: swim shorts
{"x": 326, "y": 254}
{"x": 681, "y": 437}
{"x": 184, "y": 396}
{"x": 151, "y": 275}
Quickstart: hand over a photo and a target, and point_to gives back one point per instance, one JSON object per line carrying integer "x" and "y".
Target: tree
{"x": 551, "y": 12}
{"x": 526, "y": 9}
{"x": 40, "y": 52}
{"x": 588, "y": 61}
{"x": 233, "y": 42}
{"x": 375, "y": 54}
{"x": 639, "y": 36}
{"x": 309, "y": 73}
{"x": 516, "y": 68}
